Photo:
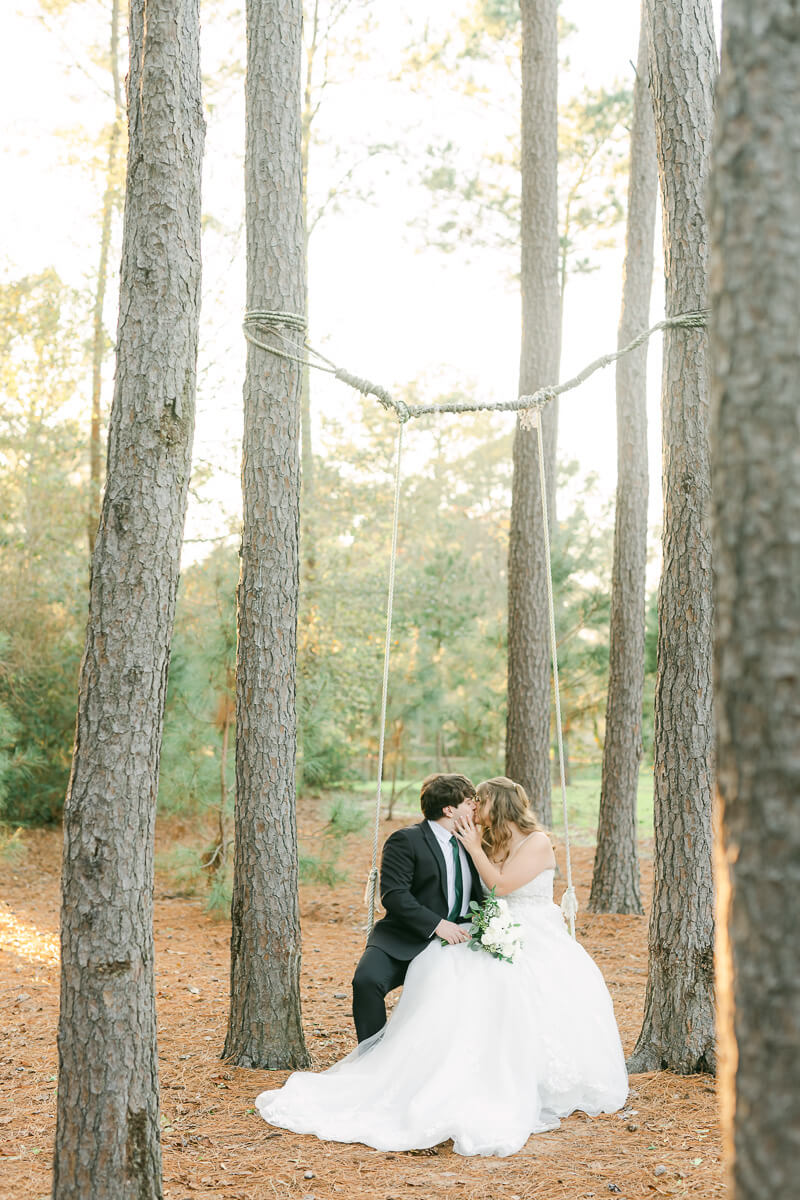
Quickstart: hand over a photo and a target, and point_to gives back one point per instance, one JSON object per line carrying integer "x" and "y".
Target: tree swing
{"x": 262, "y": 323}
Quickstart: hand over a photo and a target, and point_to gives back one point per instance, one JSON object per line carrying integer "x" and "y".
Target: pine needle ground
{"x": 665, "y": 1143}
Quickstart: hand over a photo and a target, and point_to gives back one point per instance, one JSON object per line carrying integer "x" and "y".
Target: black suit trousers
{"x": 414, "y": 895}
{"x": 376, "y": 974}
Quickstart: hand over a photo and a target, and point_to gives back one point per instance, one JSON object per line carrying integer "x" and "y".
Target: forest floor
{"x": 666, "y": 1141}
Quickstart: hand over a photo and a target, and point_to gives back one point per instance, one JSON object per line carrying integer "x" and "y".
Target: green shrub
{"x": 12, "y": 847}
{"x": 183, "y": 867}
{"x": 220, "y": 893}
{"x": 345, "y": 817}
{"x": 314, "y": 868}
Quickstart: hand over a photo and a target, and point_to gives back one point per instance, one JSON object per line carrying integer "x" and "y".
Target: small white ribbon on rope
{"x": 370, "y": 889}
{"x": 529, "y": 417}
{"x": 569, "y": 906}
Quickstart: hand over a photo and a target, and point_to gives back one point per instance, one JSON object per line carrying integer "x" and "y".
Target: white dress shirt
{"x": 443, "y": 836}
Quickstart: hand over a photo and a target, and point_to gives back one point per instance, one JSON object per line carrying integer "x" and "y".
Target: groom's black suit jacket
{"x": 414, "y": 891}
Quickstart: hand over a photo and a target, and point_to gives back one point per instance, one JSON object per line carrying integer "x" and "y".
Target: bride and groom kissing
{"x": 479, "y": 1049}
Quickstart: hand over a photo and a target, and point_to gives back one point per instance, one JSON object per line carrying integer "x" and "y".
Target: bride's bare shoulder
{"x": 539, "y": 845}
{"x": 532, "y": 847}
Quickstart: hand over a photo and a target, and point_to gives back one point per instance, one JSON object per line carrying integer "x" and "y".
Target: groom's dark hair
{"x": 443, "y": 791}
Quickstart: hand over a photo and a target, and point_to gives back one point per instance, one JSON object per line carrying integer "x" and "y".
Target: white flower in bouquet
{"x": 493, "y": 930}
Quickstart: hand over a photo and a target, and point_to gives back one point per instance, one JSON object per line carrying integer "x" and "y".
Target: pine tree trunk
{"x": 98, "y": 332}
{"x": 107, "y": 1138}
{"x": 678, "y": 1028}
{"x": 756, "y": 519}
{"x": 615, "y": 881}
{"x": 529, "y": 704}
{"x": 306, "y": 444}
{"x": 264, "y": 1028}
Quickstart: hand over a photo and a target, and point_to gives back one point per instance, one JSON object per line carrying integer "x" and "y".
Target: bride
{"x": 478, "y": 1049}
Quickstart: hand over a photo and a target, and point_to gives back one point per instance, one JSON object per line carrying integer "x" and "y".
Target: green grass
{"x": 583, "y": 801}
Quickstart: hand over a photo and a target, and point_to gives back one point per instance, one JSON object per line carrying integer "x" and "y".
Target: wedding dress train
{"x": 479, "y": 1050}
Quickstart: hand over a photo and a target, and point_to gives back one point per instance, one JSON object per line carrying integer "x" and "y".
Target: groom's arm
{"x": 397, "y": 876}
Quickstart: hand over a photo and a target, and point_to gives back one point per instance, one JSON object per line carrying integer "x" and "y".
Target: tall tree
{"x": 755, "y": 447}
{"x": 264, "y": 1027}
{"x": 678, "y": 1028}
{"x": 107, "y": 1137}
{"x": 98, "y": 329}
{"x": 528, "y": 724}
{"x": 615, "y": 881}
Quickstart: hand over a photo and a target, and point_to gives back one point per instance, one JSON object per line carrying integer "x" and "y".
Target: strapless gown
{"x": 478, "y": 1050}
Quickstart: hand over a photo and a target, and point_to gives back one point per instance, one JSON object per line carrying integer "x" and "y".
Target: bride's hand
{"x": 467, "y": 834}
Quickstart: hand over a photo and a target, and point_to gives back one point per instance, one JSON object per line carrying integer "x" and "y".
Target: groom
{"x": 427, "y": 882}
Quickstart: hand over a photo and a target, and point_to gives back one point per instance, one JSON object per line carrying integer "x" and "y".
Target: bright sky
{"x": 379, "y": 304}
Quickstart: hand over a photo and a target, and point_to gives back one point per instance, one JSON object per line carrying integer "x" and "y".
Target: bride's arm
{"x": 532, "y": 858}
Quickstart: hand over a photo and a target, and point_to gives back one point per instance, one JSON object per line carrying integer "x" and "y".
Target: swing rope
{"x": 569, "y": 901}
{"x": 372, "y": 880}
{"x": 259, "y": 323}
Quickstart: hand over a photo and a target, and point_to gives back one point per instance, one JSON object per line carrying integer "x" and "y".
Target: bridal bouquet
{"x": 493, "y": 930}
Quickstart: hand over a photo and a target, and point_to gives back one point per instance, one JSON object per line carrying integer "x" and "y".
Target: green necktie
{"x": 455, "y": 912}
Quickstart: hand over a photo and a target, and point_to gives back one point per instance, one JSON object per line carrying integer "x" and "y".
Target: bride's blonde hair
{"x": 508, "y": 803}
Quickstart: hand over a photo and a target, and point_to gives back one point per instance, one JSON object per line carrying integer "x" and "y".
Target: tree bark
{"x": 306, "y": 446}
{"x": 615, "y": 880}
{"x": 264, "y": 1028}
{"x": 756, "y": 519}
{"x": 678, "y": 1028}
{"x": 529, "y": 704}
{"x": 107, "y": 1137}
{"x": 98, "y": 332}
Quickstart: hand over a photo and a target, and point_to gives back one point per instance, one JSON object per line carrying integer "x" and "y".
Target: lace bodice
{"x": 536, "y": 892}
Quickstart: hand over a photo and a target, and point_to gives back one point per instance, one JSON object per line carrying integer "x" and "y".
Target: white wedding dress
{"x": 479, "y": 1050}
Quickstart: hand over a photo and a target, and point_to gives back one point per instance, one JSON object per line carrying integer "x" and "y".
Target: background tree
{"x": 755, "y": 442}
{"x": 264, "y": 1026}
{"x": 107, "y": 1136}
{"x": 678, "y": 1028}
{"x": 528, "y": 723}
{"x": 615, "y": 880}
